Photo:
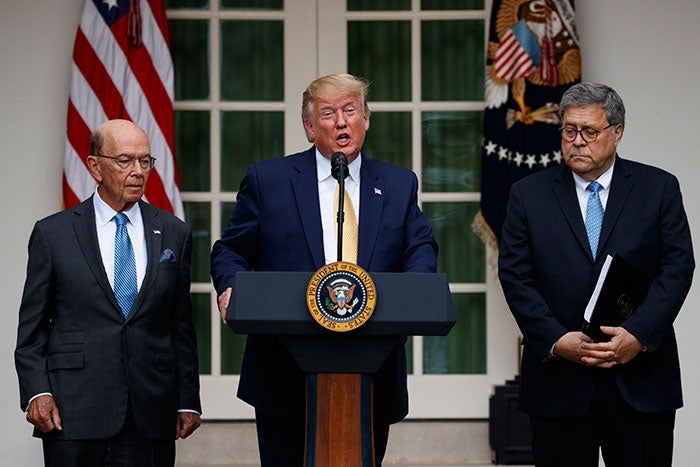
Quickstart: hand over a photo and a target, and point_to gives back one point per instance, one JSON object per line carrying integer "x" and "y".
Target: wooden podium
{"x": 339, "y": 389}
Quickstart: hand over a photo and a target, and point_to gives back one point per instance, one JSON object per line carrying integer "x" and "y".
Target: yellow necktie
{"x": 349, "y": 228}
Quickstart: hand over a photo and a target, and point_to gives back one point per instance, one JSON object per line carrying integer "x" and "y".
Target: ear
{"x": 618, "y": 134}
{"x": 310, "y": 133}
{"x": 94, "y": 167}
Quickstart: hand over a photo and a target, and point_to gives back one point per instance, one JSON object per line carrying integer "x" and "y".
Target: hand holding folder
{"x": 620, "y": 289}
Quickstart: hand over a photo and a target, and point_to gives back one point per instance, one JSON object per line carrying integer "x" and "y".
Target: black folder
{"x": 620, "y": 289}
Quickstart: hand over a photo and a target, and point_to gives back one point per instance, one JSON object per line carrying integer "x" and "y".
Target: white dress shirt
{"x": 326, "y": 200}
{"x": 583, "y": 194}
{"x": 106, "y": 228}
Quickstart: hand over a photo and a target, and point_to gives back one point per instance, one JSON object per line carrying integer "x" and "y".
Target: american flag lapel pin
{"x": 156, "y": 232}
{"x": 377, "y": 191}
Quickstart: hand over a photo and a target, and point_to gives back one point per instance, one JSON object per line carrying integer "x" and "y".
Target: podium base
{"x": 339, "y": 420}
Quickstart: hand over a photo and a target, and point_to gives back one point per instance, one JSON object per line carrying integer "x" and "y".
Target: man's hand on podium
{"x": 223, "y": 303}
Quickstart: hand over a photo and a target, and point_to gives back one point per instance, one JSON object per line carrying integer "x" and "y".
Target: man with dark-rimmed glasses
{"x": 618, "y": 396}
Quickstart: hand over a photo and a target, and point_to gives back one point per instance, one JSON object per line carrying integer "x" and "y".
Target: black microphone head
{"x": 339, "y": 163}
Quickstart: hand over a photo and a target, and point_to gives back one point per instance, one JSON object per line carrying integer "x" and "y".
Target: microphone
{"x": 339, "y": 171}
{"x": 339, "y": 166}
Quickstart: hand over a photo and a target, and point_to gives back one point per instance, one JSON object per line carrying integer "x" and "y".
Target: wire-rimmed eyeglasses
{"x": 124, "y": 162}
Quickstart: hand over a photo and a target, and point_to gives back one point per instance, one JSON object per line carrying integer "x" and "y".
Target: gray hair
{"x": 585, "y": 94}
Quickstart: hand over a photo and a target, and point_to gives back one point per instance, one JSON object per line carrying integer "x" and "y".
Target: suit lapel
{"x": 620, "y": 188}
{"x": 305, "y": 186}
{"x": 565, "y": 193}
{"x": 153, "y": 230}
{"x": 371, "y": 204}
{"x": 86, "y": 233}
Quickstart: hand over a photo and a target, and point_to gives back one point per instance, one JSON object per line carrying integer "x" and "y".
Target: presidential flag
{"x": 533, "y": 56}
{"x": 122, "y": 68}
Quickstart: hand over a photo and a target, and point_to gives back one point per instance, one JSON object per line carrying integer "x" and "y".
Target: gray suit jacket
{"x": 73, "y": 341}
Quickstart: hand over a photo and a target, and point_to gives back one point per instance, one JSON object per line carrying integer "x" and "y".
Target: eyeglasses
{"x": 589, "y": 135}
{"x": 125, "y": 162}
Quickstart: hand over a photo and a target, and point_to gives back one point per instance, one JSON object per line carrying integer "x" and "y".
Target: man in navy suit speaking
{"x": 618, "y": 396}
{"x": 106, "y": 352}
{"x": 284, "y": 220}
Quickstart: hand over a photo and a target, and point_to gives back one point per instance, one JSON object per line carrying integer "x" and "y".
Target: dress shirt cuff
{"x": 550, "y": 355}
{"x": 189, "y": 410}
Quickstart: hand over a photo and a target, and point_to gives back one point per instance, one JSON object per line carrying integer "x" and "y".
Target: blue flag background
{"x": 524, "y": 84}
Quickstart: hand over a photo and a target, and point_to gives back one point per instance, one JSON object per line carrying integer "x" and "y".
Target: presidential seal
{"x": 341, "y": 296}
{"x": 625, "y": 305}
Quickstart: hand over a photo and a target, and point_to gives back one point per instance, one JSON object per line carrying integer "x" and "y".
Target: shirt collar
{"x": 323, "y": 167}
{"x": 104, "y": 213}
{"x": 604, "y": 180}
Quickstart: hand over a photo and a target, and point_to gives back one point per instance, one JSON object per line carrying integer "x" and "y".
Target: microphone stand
{"x": 339, "y": 165}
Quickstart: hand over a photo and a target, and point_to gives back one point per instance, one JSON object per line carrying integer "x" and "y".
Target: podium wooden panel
{"x": 337, "y": 433}
{"x": 339, "y": 389}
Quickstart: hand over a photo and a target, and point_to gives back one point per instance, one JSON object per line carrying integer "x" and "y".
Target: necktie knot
{"x": 121, "y": 219}
{"x": 594, "y": 187}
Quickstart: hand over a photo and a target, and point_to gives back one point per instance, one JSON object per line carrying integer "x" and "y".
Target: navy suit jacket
{"x": 276, "y": 226}
{"x": 74, "y": 342}
{"x": 548, "y": 274}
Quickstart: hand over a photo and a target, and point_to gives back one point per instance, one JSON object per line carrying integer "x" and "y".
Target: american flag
{"x": 518, "y": 53}
{"x": 122, "y": 68}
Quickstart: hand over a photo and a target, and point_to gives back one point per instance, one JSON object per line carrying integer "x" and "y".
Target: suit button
{"x": 123, "y": 360}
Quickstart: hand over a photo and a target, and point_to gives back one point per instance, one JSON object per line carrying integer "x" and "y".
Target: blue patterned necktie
{"x": 594, "y": 216}
{"x": 125, "y": 288}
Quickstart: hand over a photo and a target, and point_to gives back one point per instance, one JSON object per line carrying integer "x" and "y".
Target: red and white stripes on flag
{"x": 122, "y": 68}
{"x": 518, "y": 53}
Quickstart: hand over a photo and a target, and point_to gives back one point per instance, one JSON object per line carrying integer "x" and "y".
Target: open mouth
{"x": 343, "y": 139}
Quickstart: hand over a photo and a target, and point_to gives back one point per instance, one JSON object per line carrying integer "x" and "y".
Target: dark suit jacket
{"x": 73, "y": 341}
{"x": 276, "y": 226}
{"x": 548, "y": 274}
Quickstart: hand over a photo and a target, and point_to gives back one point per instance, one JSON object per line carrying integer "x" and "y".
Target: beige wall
{"x": 644, "y": 48}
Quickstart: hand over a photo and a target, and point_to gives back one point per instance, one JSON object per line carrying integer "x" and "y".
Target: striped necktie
{"x": 125, "y": 287}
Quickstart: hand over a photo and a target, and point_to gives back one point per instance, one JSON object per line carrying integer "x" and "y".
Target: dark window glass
{"x": 463, "y": 350}
{"x": 378, "y": 5}
{"x": 189, "y": 45}
{"x": 389, "y": 138}
{"x": 452, "y": 65}
{"x": 201, "y": 311}
{"x": 252, "y": 4}
{"x": 198, "y": 216}
{"x": 192, "y": 149}
{"x": 462, "y": 254}
{"x": 452, "y": 151}
{"x": 247, "y": 137}
{"x": 186, "y": 4}
{"x": 452, "y": 4}
{"x": 380, "y": 51}
{"x": 252, "y": 60}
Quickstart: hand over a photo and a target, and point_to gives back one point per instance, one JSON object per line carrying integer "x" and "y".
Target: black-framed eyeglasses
{"x": 588, "y": 134}
{"x": 125, "y": 162}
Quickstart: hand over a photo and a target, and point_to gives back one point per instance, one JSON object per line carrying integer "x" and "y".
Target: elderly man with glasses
{"x": 618, "y": 394}
{"x": 106, "y": 352}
